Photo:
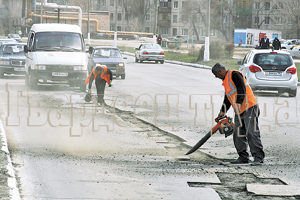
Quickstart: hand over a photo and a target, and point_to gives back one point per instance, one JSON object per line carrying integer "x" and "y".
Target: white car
{"x": 270, "y": 70}
{"x": 150, "y": 52}
{"x": 289, "y": 44}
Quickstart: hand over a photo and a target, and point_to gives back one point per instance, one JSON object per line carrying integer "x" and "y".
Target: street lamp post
{"x": 88, "y": 25}
{"x": 206, "y": 51}
{"x": 42, "y": 3}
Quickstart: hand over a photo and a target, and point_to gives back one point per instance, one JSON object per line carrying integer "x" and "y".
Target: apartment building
{"x": 178, "y": 17}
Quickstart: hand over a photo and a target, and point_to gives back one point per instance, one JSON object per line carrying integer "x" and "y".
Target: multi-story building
{"x": 177, "y": 17}
{"x": 10, "y": 15}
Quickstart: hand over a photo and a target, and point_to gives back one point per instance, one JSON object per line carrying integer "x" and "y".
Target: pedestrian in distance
{"x": 264, "y": 43}
{"x": 276, "y": 44}
{"x": 159, "y": 40}
{"x": 239, "y": 95}
{"x": 101, "y": 74}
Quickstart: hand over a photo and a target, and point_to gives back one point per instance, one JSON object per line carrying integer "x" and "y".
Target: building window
{"x": 165, "y": 31}
{"x": 119, "y": 3}
{"x": 225, "y": 19}
{"x": 147, "y": 29}
{"x": 267, "y": 6}
{"x": 119, "y": 28}
{"x": 194, "y": 32}
{"x": 278, "y": 20}
{"x": 112, "y": 3}
{"x": 147, "y": 17}
{"x": 174, "y": 32}
{"x": 119, "y": 16}
{"x": 111, "y": 16}
{"x": 267, "y": 20}
{"x": 278, "y": 6}
{"x": 256, "y": 20}
{"x": 213, "y": 32}
{"x": 256, "y": 5}
{"x": 175, "y": 4}
{"x": 174, "y": 18}
{"x": 103, "y": 3}
{"x": 184, "y": 18}
{"x": 184, "y": 31}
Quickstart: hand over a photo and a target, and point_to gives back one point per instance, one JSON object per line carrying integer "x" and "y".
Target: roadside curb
{"x": 176, "y": 62}
{"x": 11, "y": 180}
{"x": 183, "y": 63}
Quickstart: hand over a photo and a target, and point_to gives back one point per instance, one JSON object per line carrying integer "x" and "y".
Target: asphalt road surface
{"x": 64, "y": 148}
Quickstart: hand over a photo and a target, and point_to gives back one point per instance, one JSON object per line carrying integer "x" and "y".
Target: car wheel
{"x": 136, "y": 60}
{"x": 123, "y": 76}
{"x": 1, "y": 75}
{"x": 292, "y": 93}
{"x": 162, "y": 62}
{"x": 156, "y": 61}
{"x": 141, "y": 61}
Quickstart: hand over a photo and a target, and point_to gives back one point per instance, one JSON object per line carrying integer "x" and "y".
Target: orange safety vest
{"x": 231, "y": 92}
{"x": 104, "y": 75}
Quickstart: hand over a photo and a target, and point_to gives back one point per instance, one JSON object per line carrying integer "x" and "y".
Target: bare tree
{"x": 135, "y": 13}
{"x": 290, "y": 11}
{"x": 194, "y": 14}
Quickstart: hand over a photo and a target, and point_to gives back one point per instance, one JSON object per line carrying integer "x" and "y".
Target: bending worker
{"x": 101, "y": 74}
{"x": 239, "y": 94}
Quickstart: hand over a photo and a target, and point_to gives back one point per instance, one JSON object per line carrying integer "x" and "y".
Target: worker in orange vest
{"x": 239, "y": 95}
{"x": 101, "y": 74}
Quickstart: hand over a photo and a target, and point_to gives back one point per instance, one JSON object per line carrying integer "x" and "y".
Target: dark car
{"x": 12, "y": 59}
{"x": 109, "y": 56}
{"x": 15, "y": 37}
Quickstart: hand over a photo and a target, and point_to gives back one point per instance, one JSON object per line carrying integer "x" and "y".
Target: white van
{"x": 55, "y": 55}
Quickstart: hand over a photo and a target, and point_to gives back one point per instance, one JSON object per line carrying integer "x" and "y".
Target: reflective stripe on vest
{"x": 232, "y": 87}
{"x": 231, "y": 92}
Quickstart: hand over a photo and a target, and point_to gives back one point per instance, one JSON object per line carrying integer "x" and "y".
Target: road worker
{"x": 101, "y": 74}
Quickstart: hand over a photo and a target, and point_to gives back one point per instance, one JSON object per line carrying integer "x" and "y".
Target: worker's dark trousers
{"x": 100, "y": 86}
{"x": 246, "y": 131}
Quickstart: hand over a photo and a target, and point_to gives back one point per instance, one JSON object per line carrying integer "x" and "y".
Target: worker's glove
{"x": 89, "y": 91}
{"x": 110, "y": 83}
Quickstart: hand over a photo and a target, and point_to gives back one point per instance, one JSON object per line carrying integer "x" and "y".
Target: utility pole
{"x": 23, "y": 28}
{"x": 206, "y": 50}
{"x": 155, "y": 16}
{"x": 116, "y": 14}
{"x": 88, "y": 25}
{"x": 42, "y": 3}
{"x": 58, "y": 14}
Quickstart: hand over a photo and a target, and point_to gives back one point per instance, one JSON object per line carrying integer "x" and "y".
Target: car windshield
{"x": 152, "y": 46}
{"x": 10, "y": 49}
{"x": 107, "y": 53}
{"x": 273, "y": 61}
{"x": 58, "y": 41}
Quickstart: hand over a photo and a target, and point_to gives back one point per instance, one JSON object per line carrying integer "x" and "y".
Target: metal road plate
{"x": 19, "y": 69}
{"x": 273, "y": 73}
{"x": 59, "y": 73}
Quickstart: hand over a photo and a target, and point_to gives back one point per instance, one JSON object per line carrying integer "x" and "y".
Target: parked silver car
{"x": 15, "y": 37}
{"x": 150, "y": 52}
{"x": 12, "y": 59}
{"x": 270, "y": 70}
